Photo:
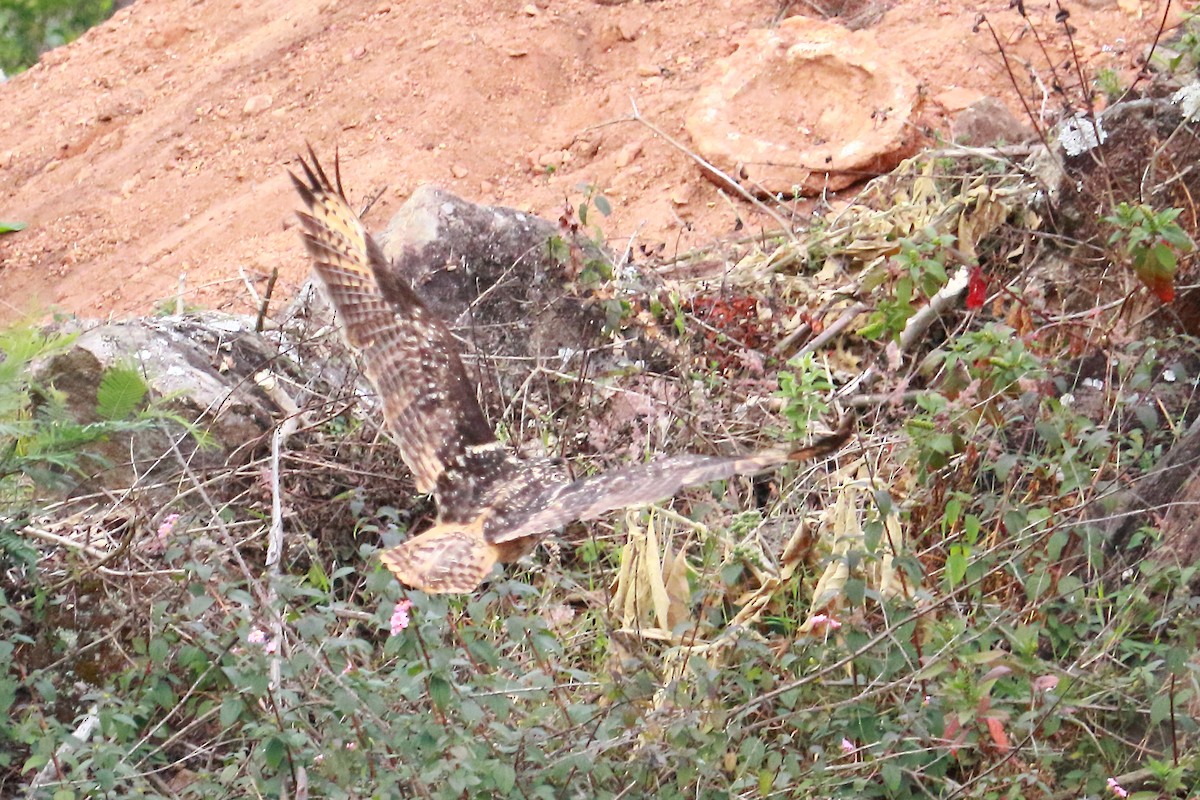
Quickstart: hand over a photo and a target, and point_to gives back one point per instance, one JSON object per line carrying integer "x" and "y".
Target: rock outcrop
{"x": 803, "y": 108}
{"x": 199, "y": 367}
{"x": 514, "y": 284}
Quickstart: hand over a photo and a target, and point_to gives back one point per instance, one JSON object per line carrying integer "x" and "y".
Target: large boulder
{"x": 803, "y": 108}
{"x": 516, "y": 284}
{"x": 199, "y": 367}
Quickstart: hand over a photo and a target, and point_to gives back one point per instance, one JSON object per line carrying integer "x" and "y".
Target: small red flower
{"x": 976, "y": 288}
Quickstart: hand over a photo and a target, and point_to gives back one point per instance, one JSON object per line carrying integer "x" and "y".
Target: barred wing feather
{"x": 408, "y": 354}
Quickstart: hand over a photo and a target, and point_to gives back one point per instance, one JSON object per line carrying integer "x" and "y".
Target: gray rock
{"x": 514, "y": 284}
{"x": 988, "y": 122}
{"x": 200, "y": 367}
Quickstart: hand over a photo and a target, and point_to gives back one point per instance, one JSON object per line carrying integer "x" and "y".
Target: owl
{"x": 493, "y": 505}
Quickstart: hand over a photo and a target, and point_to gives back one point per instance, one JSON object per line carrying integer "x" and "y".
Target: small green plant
{"x": 1108, "y": 81}
{"x": 592, "y": 197}
{"x": 984, "y": 369}
{"x": 1186, "y": 53}
{"x": 1152, "y": 242}
{"x": 804, "y": 388}
{"x": 597, "y": 268}
{"x": 581, "y": 248}
{"x": 995, "y": 356}
{"x": 916, "y": 272}
{"x": 174, "y": 306}
{"x": 44, "y": 445}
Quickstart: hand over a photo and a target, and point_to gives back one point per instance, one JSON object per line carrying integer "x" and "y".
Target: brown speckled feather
{"x": 408, "y": 353}
{"x": 442, "y": 560}
{"x": 492, "y": 505}
{"x": 655, "y": 480}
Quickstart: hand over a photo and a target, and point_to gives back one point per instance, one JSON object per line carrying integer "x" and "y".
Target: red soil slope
{"x": 156, "y": 146}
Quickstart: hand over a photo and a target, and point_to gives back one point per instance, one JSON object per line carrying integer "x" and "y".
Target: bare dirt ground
{"x": 157, "y": 145}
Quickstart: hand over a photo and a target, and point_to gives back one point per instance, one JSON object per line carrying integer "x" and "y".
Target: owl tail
{"x": 442, "y": 560}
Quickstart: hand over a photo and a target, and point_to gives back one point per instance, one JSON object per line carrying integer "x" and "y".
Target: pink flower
{"x": 1045, "y": 683}
{"x": 824, "y": 621}
{"x": 1117, "y": 789}
{"x": 400, "y": 616}
{"x": 158, "y": 544}
{"x": 351, "y": 745}
{"x": 257, "y": 636}
{"x": 848, "y": 746}
{"x": 167, "y": 525}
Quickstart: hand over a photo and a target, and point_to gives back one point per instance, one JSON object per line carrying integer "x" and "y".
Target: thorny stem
{"x": 1033, "y": 120}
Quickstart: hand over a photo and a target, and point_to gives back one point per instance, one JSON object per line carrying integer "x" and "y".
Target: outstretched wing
{"x": 655, "y": 480}
{"x": 408, "y": 353}
{"x": 442, "y": 560}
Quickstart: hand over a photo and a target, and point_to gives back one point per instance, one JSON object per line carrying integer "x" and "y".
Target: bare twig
{"x": 834, "y": 329}
{"x": 1162, "y": 26}
{"x": 1033, "y": 118}
{"x": 370, "y": 202}
{"x": 266, "y": 300}
{"x": 52, "y": 772}
{"x": 255, "y": 298}
{"x": 275, "y": 534}
{"x": 784, "y": 225}
{"x": 861, "y": 401}
{"x": 919, "y": 322}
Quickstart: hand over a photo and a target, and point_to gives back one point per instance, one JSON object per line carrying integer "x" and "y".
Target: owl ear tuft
{"x": 442, "y": 561}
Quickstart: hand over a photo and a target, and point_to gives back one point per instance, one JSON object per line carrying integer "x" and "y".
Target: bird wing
{"x": 442, "y": 560}
{"x": 408, "y": 353}
{"x": 655, "y": 480}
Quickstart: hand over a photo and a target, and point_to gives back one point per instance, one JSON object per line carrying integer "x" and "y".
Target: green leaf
{"x": 957, "y": 561}
{"x": 274, "y": 751}
{"x": 890, "y": 771}
{"x": 231, "y": 709}
{"x": 602, "y": 204}
{"x": 1176, "y": 236}
{"x": 317, "y": 577}
{"x": 198, "y": 605}
{"x": 439, "y": 691}
{"x": 504, "y": 776}
{"x": 1069, "y": 585}
{"x": 1160, "y": 709}
{"x": 766, "y": 779}
{"x": 12, "y": 227}
{"x": 1165, "y": 257}
{"x": 162, "y": 695}
{"x": 953, "y": 512}
{"x": 121, "y": 392}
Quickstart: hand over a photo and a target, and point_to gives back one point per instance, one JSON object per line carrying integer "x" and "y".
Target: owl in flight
{"x": 493, "y": 505}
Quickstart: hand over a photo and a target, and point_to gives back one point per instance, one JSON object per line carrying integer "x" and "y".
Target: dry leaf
{"x": 653, "y": 577}
{"x": 847, "y": 536}
{"x": 890, "y": 582}
{"x": 651, "y": 592}
{"x": 999, "y": 737}
{"x": 679, "y": 591}
{"x": 795, "y": 552}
